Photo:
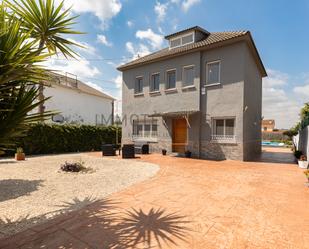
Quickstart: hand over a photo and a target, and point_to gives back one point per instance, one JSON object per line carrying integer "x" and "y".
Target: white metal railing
{"x": 149, "y": 137}
{"x": 224, "y": 138}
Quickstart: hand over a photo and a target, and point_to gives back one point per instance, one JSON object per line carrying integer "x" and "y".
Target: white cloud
{"x": 187, "y": 4}
{"x": 160, "y": 10}
{"x": 118, "y": 81}
{"x": 130, "y": 47}
{"x": 84, "y": 47}
{"x": 103, "y": 40}
{"x": 137, "y": 50}
{"x": 303, "y": 91}
{"x": 278, "y": 103}
{"x": 113, "y": 64}
{"x": 155, "y": 40}
{"x": 80, "y": 68}
{"x": 130, "y": 24}
{"x": 116, "y": 93}
{"x": 281, "y": 107}
{"x": 275, "y": 78}
{"x": 103, "y": 9}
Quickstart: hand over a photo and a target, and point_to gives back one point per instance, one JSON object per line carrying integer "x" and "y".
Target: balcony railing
{"x": 224, "y": 138}
{"x": 145, "y": 137}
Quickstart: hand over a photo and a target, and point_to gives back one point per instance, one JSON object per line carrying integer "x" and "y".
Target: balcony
{"x": 223, "y": 138}
{"x": 153, "y": 137}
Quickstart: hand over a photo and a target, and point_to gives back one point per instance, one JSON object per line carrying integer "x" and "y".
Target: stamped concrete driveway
{"x": 189, "y": 204}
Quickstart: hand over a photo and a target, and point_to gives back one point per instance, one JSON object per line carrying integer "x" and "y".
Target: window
{"x": 171, "y": 79}
{"x": 175, "y": 43}
{"x": 188, "y": 76}
{"x": 155, "y": 82}
{"x": 224, "y": 129}
{"x": 213, "y": 73}
{"x": 138, "y": 88}
{"x": 182, "y": 40}
{"x": 145, "y": 129}
{"x": 187, "y": 39}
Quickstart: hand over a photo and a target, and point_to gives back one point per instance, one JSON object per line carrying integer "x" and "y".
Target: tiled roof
{"x": 268, "y": 122}
{"x": 195, "y": 28}
{"x": 74, "y": 84}
{"x": 212, "y": 39}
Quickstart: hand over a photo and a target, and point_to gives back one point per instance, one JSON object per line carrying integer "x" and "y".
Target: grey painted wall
{"x": 224, "y": 100}
{"x": 164, "y": 101}
{"x": 252, "y": 108}
{"x": 239, "y": 95}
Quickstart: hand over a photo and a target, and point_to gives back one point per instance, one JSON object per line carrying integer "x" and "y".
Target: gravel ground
{"x": 34, "y": 191}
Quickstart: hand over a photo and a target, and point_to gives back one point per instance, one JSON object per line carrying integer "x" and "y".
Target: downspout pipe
{"x": 200, "y": 108}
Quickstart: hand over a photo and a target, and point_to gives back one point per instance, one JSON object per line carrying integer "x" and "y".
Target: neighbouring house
{"x": 77, "y": 102}
{"x": 268, "y": 125}
{"x": 203, "y": 94}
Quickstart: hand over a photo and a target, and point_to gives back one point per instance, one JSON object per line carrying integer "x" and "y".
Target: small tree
{"x": 30, "y": 31}
{"x": 304, "y": 113}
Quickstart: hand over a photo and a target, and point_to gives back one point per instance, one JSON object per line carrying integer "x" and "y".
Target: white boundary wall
{"x": 301, "y": 141}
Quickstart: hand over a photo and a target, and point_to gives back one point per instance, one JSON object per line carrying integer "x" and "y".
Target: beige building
{"x": 201, "y": 94}
{"x": 268, "y": 125}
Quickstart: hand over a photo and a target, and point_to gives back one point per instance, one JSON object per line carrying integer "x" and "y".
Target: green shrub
{"x": 298, "y": 154}
{"x": 50, "y": 139}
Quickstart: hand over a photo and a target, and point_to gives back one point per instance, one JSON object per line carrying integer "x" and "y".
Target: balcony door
{"x": 179, "y": 135}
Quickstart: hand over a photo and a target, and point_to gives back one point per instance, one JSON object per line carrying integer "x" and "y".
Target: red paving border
{"x": 189, "y": 204}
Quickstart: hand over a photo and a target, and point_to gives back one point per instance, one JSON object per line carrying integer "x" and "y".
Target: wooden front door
{"x": 179, "y": 135}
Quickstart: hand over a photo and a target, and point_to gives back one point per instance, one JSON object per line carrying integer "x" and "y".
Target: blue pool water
{"x": 272, "y": 144}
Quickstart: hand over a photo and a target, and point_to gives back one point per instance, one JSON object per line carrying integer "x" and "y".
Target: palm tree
{"x": 47, "y": 24}
{"x": 19, "y": 72}
{"x": 27, "y": 32}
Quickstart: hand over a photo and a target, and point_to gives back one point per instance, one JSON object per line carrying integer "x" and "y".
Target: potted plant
{"x": 297, "y": 154}
{"x": 19, "y": 155}
{"x": 164, "y": 152}
{"x": 302, "y": 162}
{"x": 188, "y": 153}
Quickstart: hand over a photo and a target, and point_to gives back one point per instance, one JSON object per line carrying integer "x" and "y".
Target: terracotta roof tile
{"x": 195, "y": 28}
{"x": 212, "y": 39}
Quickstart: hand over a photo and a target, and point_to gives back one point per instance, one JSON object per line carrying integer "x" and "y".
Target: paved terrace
{"x": 190, "y": 204}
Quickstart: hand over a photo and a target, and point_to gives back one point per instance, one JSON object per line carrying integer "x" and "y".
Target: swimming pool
{"x": 272, "y": 144}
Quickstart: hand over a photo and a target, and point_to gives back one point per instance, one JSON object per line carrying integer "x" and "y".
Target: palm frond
{"x": 47, "y": 24}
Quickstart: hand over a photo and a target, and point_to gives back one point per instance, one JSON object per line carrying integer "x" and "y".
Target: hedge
{"x": 50, "y": 139}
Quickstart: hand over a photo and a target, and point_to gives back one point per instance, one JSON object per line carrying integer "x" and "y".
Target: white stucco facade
{"x": 77, "y": 106}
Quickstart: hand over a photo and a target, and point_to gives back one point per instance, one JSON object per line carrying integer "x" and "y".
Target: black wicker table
{"x": 128, "y": 151}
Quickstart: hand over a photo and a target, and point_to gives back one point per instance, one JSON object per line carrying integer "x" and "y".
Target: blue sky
{"x": 118, "y": 30}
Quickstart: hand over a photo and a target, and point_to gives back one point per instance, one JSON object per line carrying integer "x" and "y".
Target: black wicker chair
{"x": 141, "y": 147}
{"x": 128, "y": 151}
{"x": 108, "y": 150}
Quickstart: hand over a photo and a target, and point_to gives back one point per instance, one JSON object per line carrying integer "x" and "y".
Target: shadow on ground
{"x": 14, "y": 188}
{"x": 104, "y": 225}
{"x": 280, "y": 157}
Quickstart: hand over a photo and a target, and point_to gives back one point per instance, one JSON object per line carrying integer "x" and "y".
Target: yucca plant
{"x": 30, "y": 32}
{"x": 47, "y": 24}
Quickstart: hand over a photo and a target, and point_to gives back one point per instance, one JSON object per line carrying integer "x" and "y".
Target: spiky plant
{"x": 47, "y": 24}
{"x": 27, "y": 29}
{"x": 19, "y": 73}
